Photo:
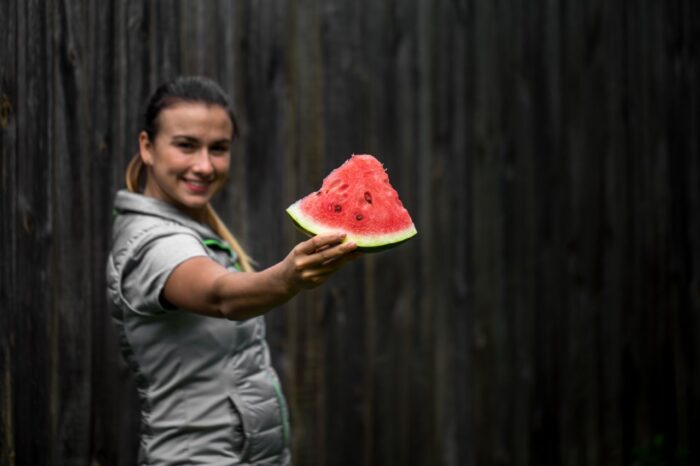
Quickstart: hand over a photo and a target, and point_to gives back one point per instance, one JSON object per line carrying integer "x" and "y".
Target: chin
{"x": 188, "y": 201}
{"x": 196, "y": 204}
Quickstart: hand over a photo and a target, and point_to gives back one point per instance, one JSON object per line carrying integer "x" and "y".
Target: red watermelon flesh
{"x": 357, "y": 199}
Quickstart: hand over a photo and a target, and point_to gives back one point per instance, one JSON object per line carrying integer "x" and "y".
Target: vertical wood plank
{"x": 33, "y": 415}
{"x": 489, "y": 338}
{"x": 114, "y": 406}
{"x": 70, "y": 200}
{"x": 8, "y": 228}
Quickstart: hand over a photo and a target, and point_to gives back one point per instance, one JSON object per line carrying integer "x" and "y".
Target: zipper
{"x": 283, "y": 406}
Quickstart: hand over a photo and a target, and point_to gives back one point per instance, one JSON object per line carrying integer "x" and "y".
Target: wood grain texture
{"x": 547, "y": 312}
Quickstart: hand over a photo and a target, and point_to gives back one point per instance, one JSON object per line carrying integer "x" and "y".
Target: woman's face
{"x": 189, "y": 159}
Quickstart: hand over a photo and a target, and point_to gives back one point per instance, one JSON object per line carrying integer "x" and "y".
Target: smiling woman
{"x": 183, "y": 91}
{"x": 187, "y": 304}
{"x": 188, "y": 160}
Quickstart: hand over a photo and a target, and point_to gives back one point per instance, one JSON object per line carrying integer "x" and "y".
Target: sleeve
{"x": 148, "y": 269}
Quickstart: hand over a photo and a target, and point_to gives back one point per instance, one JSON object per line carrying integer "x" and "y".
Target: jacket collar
{"x": 126, "y": 201}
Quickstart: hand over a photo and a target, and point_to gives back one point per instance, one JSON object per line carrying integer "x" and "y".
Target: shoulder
{"x": 145, "y": 251}
{"x": 135, "y": 233}
{"x": 133, "y": 228}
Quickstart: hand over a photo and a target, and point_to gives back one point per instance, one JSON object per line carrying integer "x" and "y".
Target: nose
{"x": 202, "y": 164}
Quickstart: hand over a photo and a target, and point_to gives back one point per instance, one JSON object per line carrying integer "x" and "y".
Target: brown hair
{"x": 186, "y": 89}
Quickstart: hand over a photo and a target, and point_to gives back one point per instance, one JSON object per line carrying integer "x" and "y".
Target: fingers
{"x": 319, "y": 274}
{"x": 341, "y": 261}
{"x": 314, "y": 260}
{"x": 321, "y": 242}
{"x": 337, "y": 263}
{"x": 329, "y": 255}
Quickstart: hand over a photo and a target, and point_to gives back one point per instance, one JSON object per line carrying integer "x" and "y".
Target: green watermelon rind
{"x": 365, "y": 243}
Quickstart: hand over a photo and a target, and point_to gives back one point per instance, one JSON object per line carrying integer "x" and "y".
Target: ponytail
{"x": 135, "y": 179}
{"x": 135, "y": 174}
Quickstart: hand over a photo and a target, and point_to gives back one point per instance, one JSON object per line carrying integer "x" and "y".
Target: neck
{"x": 198, "y": 214}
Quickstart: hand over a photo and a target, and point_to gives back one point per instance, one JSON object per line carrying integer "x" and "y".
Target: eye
{"x": 219, "y": 149}
{"x": 185, "y": 145}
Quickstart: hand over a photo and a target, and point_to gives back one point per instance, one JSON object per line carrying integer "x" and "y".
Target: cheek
{"x": 222, "y": 166}
{"x": 173, "y": 164}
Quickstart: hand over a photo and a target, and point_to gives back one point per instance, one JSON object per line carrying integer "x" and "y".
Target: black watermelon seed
{"x": 368, "y": 197}
{"x": 358, "y": 216}
{"x": 338, "y": 208}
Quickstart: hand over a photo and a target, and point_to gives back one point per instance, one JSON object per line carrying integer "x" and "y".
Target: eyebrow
{"x": 194, "y": 139}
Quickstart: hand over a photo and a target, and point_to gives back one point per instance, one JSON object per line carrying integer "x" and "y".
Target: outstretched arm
{"x": 203, "y": 286}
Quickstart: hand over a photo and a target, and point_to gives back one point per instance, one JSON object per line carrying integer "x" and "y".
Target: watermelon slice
{"x": 357, "y": 199}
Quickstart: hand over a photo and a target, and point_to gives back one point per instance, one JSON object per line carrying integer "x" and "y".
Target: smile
{"x": 197, "y": 186}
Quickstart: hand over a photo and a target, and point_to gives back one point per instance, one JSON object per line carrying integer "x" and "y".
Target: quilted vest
{"x": 208, "y": 392}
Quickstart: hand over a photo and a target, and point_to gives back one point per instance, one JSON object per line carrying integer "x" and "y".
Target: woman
{"x": 188, "y": 305}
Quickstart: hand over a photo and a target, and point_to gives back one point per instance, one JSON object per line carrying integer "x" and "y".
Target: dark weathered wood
{"x": 72, "y": 283}
{"x": 8, "y": 231}
{"x": 33, "y": 365}
{"x": 114, "y": 411}
{"x": 546, "y": 314}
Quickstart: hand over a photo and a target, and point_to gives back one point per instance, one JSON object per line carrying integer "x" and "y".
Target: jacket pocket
{"x": 239, "y": 430}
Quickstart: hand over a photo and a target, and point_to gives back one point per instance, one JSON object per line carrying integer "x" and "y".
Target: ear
{"x": 145, "y": 148}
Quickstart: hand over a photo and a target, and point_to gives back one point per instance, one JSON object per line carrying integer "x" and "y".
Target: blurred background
{"x": 546, "y": 314}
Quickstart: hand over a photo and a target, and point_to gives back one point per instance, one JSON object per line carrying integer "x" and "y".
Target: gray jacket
{"x": 208, "y": 392}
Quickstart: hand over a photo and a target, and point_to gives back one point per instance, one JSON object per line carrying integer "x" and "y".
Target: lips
{"x": 197, "y": 186}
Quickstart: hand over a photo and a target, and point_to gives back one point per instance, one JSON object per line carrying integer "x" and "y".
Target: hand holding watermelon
{"x": 358, "y": 200}
{"x": 311, "y": 262}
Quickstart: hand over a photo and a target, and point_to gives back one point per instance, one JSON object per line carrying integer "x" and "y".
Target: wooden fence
{"x": 548, "y": 313}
